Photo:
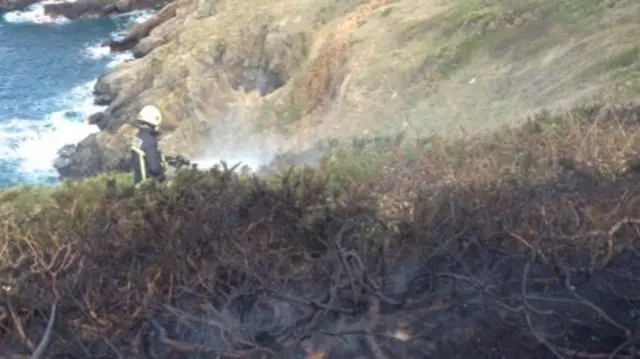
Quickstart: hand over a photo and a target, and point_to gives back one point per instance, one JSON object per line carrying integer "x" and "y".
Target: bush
{"x": 522, "y": 244}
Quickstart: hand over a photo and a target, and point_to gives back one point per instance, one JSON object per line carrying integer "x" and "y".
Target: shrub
{"x": 521, "y": 244}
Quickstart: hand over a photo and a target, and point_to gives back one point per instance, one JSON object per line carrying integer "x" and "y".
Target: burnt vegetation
{"x": 522, "y": 244}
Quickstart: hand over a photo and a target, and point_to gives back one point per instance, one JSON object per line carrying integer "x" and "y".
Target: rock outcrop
{"x": 12, "y": 5}
{"x": 234, "y": 73}
{"x": 90, "y": 9}
{"x": 96, "y": 153}
{"x": 142, "y": 31}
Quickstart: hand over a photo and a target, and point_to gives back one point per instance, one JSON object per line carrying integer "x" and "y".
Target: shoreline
{"x": 45, "y": 106}
{"x": 110, "y": 94}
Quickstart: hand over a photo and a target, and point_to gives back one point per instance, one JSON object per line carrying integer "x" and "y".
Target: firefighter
{"x": 148, "y": 161}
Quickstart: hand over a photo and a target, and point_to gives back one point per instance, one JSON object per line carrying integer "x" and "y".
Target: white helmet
{"x": 150, "y": 115}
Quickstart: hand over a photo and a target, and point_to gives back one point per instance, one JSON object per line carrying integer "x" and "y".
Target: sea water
{"x": 47, "y": 73}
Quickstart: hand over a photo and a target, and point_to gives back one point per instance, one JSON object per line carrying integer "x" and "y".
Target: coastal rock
{"x": 97, "y": 153}
{"x": 91, "y": 9}
{"x": 159, "y": 36}
{"x": 118, "y": 90}
{"x": 13, "y": 5}
{"x": 255, "y": 60}
{"x": 99, "y": 119}
{"x": 140, "y": 31}
{"x": 185, "y": 58}
{"x": 146, "y": 45}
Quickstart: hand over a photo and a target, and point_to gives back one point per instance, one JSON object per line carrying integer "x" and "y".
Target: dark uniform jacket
{"x": 147, "y": 159}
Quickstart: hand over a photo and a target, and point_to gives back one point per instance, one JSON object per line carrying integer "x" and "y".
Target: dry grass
{"x": 344, "y": 68}
{"x": 479, "y": 64}
{"x": 519, "y": 245}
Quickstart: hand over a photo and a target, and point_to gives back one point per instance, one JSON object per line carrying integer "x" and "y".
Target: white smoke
{"x": 254, "y": 159}
{"x": 231, "y": 141}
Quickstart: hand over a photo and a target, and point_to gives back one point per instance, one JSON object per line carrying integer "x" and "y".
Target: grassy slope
{"x": 478, "y": 64}
{"x": 375, "y": 66}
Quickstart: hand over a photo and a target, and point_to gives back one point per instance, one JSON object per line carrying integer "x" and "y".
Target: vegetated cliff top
{"x": 314, "y": 69}
{"x": 521, "y": 244}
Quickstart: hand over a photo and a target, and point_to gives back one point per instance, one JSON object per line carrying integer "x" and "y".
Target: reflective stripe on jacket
{"x": 147, "y": 159}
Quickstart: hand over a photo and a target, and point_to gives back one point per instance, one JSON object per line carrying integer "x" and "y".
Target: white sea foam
{"x": 134, "y": 17}
{"x": 34, "y": 14}
{"x": 33, "y": 143}
{"x": 99, "y": 50}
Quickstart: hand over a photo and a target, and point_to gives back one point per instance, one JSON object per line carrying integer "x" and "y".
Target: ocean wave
{"x": 33, "y": 143}
{"x": 29, "y": 146}
{"x": 127, "y": 20}
{"x": 34, "y": 14}
{"x": 99, "y": 50}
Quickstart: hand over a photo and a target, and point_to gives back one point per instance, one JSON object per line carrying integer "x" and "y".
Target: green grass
{"x": 451, "y": 60}
{"x": 471, "y": 25}
{"x": 483, "y": 15}
{"x": 581, "y": 12}
{"x": 70, "y": 196}
{"x": 627, "y": 59}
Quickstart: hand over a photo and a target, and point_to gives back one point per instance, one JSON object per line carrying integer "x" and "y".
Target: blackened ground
{"x": 520, "y": 245}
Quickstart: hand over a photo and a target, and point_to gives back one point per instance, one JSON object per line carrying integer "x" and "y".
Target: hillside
{"x": 278, "y": 75}
{"x": 521, "y": 244}
{"x": 436, "y": 219}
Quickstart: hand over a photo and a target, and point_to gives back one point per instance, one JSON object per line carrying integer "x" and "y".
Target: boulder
{"x": 140, "y": 31}
{"x": 121, "y": 45}
{"x": 102, "y": 94}
{"x": 91, "y": 9}
{"x": 12, "y": 5}
{"x": 97, "y": 153}
{"x": 99, "y": 119}
{"x": 146, "y": 45}
{"x": 159, "y": 36}
{"x": 119, "y": 90}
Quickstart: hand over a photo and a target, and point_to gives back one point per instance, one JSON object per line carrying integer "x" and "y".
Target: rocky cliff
{"x": 83, "y": 9}
{"x": 233, "y": 75}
